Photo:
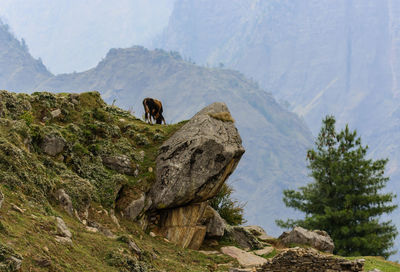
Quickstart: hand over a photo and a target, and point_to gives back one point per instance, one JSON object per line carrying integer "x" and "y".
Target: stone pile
{"x": 300, "y": 259}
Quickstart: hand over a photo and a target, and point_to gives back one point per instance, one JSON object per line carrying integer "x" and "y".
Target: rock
{"x": 214, "y": 222}
{"x": 210, "y": 252}
{"x": 317, "y": 239}
{"x": 134, "y": 248}
{"x": 243, "y": 237}
{"x": 114, "y": 218}
{"x": 241, "y": 270}
{"x": 152, "y": 234}
{"x": 65, "y": 201}
{"x": 182, "y": 225}
{"x": 141, "y": 155}
{"x": 53, "y": 144}
{"x": 120, "y": 163}
{"x": 1, "y": 199}
{"x": 91, "y": 229}
{"x": 375, "y": 270}
{"x": 244, "y": 258}
{"x": 264, "y": 251}
{"x": 308, "y": 259}
{"x": 55, "y": 113}
{"x": 135, "y": 208}
{"x": 100, "y": 228}
{"x": 62, "y": 229}
{"x": 16, "y": 208}
{"x": 193, "y": 164}
{"x": 259, "y": 232}
{"x": 63, "y": 240}
{"x": 9, "y": 259}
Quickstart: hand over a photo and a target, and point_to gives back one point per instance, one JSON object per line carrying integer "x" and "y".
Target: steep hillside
{"x": 18, "y": 70}
{"x": 319, "y": 57}
{"x": 275, "y": 139}
{"x": 61, "y": 173}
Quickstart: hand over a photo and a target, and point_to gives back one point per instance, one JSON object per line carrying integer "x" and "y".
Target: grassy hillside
{"x": 29, "y": 179}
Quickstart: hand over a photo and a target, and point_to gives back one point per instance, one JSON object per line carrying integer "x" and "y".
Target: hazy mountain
{"x": 275, "y": 139}
{"x": 73, "y": 35}
{"x": 18, "y": 70}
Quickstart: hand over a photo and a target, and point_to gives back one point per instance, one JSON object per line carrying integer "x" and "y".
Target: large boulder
{"x": 317, "y": 239}
{"x": 194, "y": 163}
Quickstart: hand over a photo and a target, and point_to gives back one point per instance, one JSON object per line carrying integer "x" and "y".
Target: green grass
{"x": 380, "y": 263}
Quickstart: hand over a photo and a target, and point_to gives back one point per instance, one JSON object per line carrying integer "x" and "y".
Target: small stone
{"x": 91, "y": 229}
{"x": 63, "y": 240}
{"x": 150, "y": 169}
{"x": 45, "y": 248}
{"x": 16, "y": 208}
{"x": 134, "y": 248}
{"x": 55, "y": 113}
{"x": 152, "y": 234}
{"x": 65, "y": 201}
{"x": 142, "y": 154}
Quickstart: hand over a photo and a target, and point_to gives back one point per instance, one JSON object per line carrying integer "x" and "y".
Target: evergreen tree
{"x": 345, "y": 198}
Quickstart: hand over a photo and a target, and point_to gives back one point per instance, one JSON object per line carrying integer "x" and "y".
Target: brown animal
{"x": 153, "y": 108}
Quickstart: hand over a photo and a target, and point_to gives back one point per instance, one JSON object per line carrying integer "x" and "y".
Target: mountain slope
{"x": 18, "y": 69}
{"x": 275, "y": 139}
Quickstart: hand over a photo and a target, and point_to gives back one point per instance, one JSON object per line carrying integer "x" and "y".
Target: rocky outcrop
{"x": 317, "y": 239}
{"x": 193, "y": 164}
{"x": 120, "y": 163}
{"x": 244, "y": 258}
{"x": 300, "y": 259}
{"x": 53, "y": 144}
{"x": 183, "y": 226}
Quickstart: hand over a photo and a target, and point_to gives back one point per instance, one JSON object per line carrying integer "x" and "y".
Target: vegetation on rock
{"x": 345, "y": 198}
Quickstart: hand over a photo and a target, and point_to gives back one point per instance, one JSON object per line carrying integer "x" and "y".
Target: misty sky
{"x": 74, "y": 35}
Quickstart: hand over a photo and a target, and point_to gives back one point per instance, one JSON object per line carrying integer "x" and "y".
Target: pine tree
{"x": 345, "y": 198}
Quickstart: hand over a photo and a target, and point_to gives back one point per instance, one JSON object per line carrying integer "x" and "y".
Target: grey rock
{"x": 375, "y": 270}
{"x": 63, "y": 240}
{"x": 193, "y": 164}
{"x": 317, "y": 239}
{"x": 65, "y": 201}
{"x": 120, "y": 163}
{"x": 135, "y": 208}
{"x": 55, "y": 113}
{"x": 243, "y": 237}
{"x": 215, "y": 223}
{"x": 62, "y": 229}
{"x": 134, "y": 248}
{"x": 53, "y": 144}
